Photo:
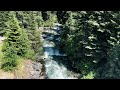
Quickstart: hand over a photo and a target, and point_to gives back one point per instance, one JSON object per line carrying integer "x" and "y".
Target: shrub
{"x": 10, "y": 56}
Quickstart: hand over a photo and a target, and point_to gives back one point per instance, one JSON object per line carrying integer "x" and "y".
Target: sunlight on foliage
{"x": 89, "y": 76}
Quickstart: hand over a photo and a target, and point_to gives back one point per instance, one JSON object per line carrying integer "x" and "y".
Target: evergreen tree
{"x": 25, "y": 49}
{"x": 10, "y": 45}
{"x": 45, "y": 15}
{"x": 4, "y": 17}
{"x": 62, "y": 16}
{"x": 16, "y": 44}
{"x": 88, "y": 38}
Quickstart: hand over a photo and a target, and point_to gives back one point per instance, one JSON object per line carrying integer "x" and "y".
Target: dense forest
{"x": 90, "y": 39}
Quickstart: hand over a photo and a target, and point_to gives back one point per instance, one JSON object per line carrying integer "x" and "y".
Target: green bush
{"x": 29, "y": 54}
{"x": 10, "y": 56}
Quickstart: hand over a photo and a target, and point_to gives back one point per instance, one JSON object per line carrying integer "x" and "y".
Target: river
{"x": 56, "y": 65}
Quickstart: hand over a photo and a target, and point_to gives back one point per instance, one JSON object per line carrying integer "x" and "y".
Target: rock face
{"x": 35, "y": 70}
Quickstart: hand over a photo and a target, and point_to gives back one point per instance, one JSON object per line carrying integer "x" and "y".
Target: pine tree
{"x": 88, "y": 38}
{"x": 4, "y": 17}
{"x": 10, "y": 45}
{"x": 34, "y": 21}
{"x": 62, "y": 16}
{"x": 16, "y": 44}
{"x": 25, "y": 49}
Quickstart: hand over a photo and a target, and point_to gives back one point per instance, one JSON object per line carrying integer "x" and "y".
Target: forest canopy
{"x": 90, "y": 39}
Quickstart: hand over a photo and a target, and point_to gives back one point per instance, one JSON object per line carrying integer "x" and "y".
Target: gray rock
{"x": 42, "y": 77}
{"x": 37, "y": 66}
{"x": 31, "y": 72}
{"x": 40, "y": 59}
{"x": 35, "y": 75}
{"x": 35, "y": 70}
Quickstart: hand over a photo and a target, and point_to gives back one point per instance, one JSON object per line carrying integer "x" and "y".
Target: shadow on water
{"x": 63, "y": 60}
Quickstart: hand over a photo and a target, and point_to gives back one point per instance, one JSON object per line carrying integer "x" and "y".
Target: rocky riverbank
{"x": 29, "y": 70}
{"x": 34, "y": 70}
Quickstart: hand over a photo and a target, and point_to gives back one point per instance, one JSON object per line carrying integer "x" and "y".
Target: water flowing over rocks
{"x": 54, "y": 61}
{"x": 53, "y": 64}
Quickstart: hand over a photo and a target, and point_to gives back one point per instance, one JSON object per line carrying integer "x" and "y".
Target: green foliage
{"x": 13, "y": 32}
{"x": 36, "y": 43}
{"x": 33, "y": 20}
{"x": 88, "y": 37}
{"x": 50, "y": 22}
{"x": 39, "y": 21}
{"x": 30, "y": 21}
{"x": 111, "y": 70}
{"x": 62, "y": 16}
{"x": 10, "y": 56}
{"x": 4, "y": 17}
{"x": 89, "y": 76}
{"x": 24, "y": 45}
{"x": 29, "y": 54}
{"x": 22, "y": 36}
{"x": 10, "y": 47}
{"x": 16, "y": 44}
{"x": 1, "y": 54}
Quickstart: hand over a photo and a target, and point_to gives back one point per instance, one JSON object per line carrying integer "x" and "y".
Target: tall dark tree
{"x": 45, "y": 15}
{"x": 62, "y": 16}
{"x": 88, "y": 37}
